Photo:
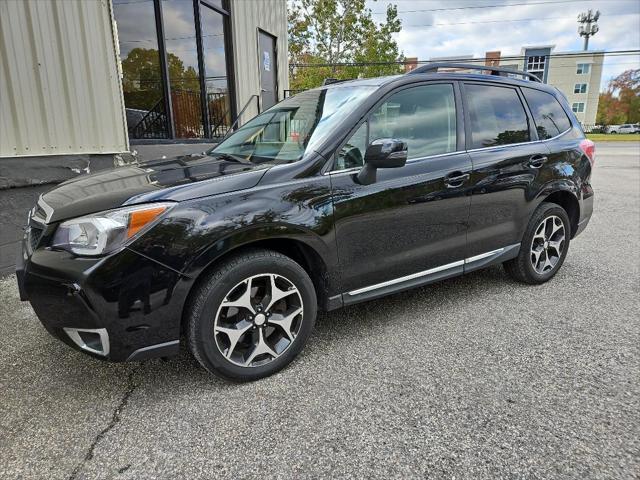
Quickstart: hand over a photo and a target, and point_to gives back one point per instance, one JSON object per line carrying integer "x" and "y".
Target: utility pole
{"x": 588, "y": 26}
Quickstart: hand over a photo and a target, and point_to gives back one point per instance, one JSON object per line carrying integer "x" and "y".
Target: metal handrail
{"x": 152, "y": 116}
{"x": 223, "y": 117}
{"x": 433, "y": 68}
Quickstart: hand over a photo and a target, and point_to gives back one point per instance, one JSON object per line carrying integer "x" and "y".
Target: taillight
{"x": 589, "y": 149}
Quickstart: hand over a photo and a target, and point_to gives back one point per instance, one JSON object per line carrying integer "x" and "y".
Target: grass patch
{"x": 614, "y": 137}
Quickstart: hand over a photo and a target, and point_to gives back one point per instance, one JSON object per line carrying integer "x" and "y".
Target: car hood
{"x": 175, "y": 179}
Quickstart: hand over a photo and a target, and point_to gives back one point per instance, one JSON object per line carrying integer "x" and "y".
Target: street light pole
{"x": 588, "y": 26}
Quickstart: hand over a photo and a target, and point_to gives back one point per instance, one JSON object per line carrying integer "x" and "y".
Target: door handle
{"x": 537, "y": 161}
{"x": 455, "y": 179}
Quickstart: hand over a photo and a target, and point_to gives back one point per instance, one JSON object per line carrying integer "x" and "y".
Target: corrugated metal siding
{"x": 60, "y": 90}
{"x": 246, "y": 18}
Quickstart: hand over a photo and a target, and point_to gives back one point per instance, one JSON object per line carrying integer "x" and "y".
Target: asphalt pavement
{"x": 474, "y": 377}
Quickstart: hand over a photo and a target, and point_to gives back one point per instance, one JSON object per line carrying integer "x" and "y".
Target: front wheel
{"x": 251, "y": 316}
{"x": 544, "y": 246}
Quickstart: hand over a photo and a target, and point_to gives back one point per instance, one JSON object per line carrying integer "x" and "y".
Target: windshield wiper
{"x": 231, "y": 158}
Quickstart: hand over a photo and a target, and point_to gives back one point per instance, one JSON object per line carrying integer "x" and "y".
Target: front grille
{"x": 35, "y": 233}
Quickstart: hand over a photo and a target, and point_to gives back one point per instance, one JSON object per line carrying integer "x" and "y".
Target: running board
{"x": 431, "y": 275}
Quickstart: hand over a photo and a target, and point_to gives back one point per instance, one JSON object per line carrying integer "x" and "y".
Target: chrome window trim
{"x": 521, "y": 143}
{"x": 430, "y": 271}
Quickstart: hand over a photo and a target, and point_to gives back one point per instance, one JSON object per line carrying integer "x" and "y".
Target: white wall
{"x": 60, "y": 90}
{"x": 246, "y": 18}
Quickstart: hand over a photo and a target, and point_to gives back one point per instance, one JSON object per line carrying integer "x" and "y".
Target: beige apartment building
{"x": 576, "y": 74}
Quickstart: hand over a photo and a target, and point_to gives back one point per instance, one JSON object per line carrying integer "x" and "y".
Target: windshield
{"x": 286, "y": 131}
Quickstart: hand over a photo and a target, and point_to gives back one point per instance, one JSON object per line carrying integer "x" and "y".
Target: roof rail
{"x": 331, "y": 81}
{"x": 503, "y": 72}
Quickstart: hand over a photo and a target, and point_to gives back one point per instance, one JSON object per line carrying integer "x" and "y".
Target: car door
{"x": 409, "y": 225}
{"x": 506, "y": 163}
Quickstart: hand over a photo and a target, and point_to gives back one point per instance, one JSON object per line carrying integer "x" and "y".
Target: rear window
{"x": 548, "y": 114}
{"x": 497, "y": 116}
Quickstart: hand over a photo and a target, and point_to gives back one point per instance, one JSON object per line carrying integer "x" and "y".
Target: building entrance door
{"x": 268, "y": 69}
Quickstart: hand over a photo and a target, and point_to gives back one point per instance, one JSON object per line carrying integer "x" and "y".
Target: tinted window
{"x": 547, "y": 113}
{"x": 497, "y": 116}
{"x": 424, "y": 117}
{"x": 352, "y": 154}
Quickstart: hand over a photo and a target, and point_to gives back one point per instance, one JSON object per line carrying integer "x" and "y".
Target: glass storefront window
{"x": 217, "y": 3}
{"x": 170, "y": 74}
{"x": 182, "y": 61}
{"x": 140, "y": 57}
{"x": 215, "y": 65}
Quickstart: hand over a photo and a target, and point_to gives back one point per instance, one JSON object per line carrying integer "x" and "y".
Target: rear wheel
{"x": 544, "y": 246}
{"x": 252, "y": 315}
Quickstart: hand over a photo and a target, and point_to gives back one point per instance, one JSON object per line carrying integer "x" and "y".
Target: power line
{"x": 613, "y": 53}
{"x": 487, "y": 6}
{"x": 509, "y": 20}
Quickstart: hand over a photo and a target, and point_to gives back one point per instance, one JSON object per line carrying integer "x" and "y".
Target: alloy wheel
{"x": 258, "y": 320}
{"x": 547, "y": 244}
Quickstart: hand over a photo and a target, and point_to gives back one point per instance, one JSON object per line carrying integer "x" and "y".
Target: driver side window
{"x": 424, "y": 117}
{"x": 351, "y": 155}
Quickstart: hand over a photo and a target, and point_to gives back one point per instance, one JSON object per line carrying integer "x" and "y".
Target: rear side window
{"x": 550, "y": 118}
{"x": 497, "y": 116}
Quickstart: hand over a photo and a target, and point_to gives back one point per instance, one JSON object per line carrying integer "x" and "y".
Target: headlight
{"x": 105, "y": 232}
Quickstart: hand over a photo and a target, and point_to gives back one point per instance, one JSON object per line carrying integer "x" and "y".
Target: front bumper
{"x": 120, "y": 307}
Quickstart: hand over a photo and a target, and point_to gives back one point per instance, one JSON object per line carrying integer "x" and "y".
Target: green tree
{"x": 142, "y": 83}
{"x": 620, "y": 103}
{"x": 340, "y": 31}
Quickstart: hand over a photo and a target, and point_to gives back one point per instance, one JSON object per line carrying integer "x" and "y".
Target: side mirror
{"x": 382, "y": 153}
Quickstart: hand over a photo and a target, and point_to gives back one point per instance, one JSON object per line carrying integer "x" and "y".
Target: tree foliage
{"x": 620, "y": 103}
{"x": 340, "y": 31}
{"x": 142, "y": 83}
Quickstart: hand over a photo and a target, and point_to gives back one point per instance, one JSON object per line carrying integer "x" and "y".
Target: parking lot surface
{"x": 474, "y": 377}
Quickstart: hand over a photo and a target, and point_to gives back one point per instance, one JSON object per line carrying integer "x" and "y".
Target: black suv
{"x": 337, "y": 195}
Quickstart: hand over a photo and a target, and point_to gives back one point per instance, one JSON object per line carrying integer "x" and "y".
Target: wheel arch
{"x": 565, "y": 198}
{"x": 295, "y": 244}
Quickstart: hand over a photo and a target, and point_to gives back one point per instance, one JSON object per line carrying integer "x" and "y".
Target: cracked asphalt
{"x": 474, "y": 377}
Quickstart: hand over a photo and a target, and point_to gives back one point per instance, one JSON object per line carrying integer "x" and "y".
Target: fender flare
{"x": 252, "y": 234}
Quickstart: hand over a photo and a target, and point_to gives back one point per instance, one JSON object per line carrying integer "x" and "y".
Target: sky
{"x": 551, "y": 23}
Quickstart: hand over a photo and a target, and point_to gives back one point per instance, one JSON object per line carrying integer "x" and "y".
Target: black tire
{"x": 211, "y": 292}
{"x": 521, "y": 268}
